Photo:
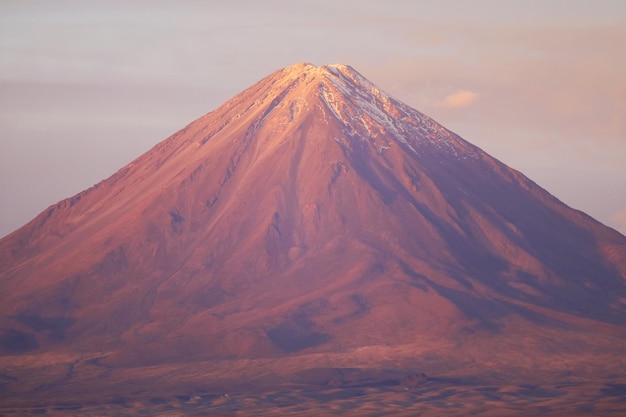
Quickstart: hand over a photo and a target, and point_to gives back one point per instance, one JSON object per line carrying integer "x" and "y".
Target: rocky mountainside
{"x": 311, "y": 222}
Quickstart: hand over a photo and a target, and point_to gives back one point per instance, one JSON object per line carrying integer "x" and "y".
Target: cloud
{"x": 461, "y": 98}
{"x": 619, "y": 221}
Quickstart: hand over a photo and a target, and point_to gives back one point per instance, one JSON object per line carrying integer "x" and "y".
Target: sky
{"x": 88, "y": 86}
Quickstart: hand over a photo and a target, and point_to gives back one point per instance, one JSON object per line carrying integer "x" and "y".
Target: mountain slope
{"x": 313, "y": 215}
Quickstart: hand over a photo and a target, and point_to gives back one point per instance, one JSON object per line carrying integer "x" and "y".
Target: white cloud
{"x": 461, "y": 98}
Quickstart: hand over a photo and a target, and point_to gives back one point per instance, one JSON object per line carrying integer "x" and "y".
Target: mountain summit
{"x": 311, "y": 222}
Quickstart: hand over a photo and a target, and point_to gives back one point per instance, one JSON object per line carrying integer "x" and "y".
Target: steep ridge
{"x": 310, "y": 214}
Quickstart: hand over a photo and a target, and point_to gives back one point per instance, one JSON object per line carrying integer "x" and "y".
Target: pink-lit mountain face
{"x": 311, "y": 222}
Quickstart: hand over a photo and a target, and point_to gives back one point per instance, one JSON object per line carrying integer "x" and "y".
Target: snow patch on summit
{"x": 367, "y": 113}
{"x": 373, "y": 115}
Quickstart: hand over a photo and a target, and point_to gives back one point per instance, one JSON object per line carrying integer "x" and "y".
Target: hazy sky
{"x": 87, "y": 86}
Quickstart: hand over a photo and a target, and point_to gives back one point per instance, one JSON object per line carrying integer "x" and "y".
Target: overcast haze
{"x": 85, "y": 87}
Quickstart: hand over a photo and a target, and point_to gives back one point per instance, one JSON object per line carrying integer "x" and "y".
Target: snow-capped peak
{"x": 374, "y": 116}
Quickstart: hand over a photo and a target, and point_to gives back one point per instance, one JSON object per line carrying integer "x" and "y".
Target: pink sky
{"x": 88, "y": 86}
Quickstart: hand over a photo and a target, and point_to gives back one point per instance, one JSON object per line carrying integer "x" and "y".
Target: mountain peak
{"x": 339, "y": 75}
{"x": 365, "y": 112}
{"x": 308, "y": 68}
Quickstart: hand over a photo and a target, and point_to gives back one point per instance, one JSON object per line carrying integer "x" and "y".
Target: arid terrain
{"x": 434, "y": 399}
{"x": 313, "y": 246}
{"x": 207, "y": 388}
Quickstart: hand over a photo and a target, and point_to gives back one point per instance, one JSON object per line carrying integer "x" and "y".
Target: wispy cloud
{"x": 461, "y": 98}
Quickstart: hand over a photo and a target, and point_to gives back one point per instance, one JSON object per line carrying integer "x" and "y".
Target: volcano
{"x": 311, "y": 231}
